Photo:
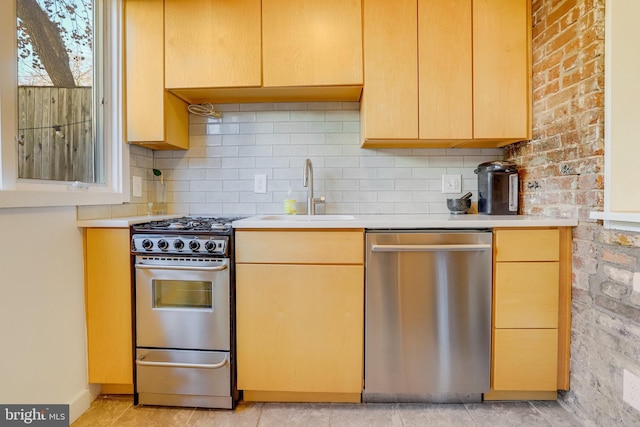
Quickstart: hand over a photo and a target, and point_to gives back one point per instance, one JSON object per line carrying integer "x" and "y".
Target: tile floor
{"x": 119, "y": 411}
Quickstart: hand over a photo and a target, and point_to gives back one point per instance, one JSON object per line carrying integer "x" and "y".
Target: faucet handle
{"x": 319, "y": 200}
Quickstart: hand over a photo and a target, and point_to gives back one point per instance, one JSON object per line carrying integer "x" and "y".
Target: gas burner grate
{"x": 190, "y": 223}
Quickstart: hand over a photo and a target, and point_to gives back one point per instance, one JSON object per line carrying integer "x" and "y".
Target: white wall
{"x": 42, "y": 325}
{"x": 216, "y": 175}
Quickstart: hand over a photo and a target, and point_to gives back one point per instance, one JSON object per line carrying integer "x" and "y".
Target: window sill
{"x": 628, "y": 221}
{"x": 27, "y": 199}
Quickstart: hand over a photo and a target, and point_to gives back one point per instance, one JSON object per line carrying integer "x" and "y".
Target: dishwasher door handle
{"x": 432, "y": 248}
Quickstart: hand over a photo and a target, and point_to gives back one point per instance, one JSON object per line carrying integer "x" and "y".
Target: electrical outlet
{"x": 452, "y": 183}
{"x": 631, "y": 389}
{"x": 260, "y": 184}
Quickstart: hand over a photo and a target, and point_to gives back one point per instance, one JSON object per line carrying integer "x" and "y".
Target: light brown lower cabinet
{"x": 300, "y": 317}
{"x": 531, "y": 313}
{"x": 108, "y": 308}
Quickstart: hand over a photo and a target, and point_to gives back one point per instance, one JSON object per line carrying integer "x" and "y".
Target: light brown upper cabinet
{"x": 155, "y": 118}
{"x": 311, "y": 43}
{"x": 446, "y": 73}
{"x": 263, "y": 51}
{"x": 212, "y": 43}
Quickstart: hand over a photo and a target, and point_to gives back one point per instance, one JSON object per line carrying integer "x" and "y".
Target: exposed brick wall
{"x": 562, "y": 176}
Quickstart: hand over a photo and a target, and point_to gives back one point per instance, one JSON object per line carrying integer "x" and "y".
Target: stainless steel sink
{"x": 311, "y": 218}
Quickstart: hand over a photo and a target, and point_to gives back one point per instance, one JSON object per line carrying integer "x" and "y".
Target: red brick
{"x": 560, "y": 10}
{"x": 565, "y": 38}
{"x": 617, "y": 258}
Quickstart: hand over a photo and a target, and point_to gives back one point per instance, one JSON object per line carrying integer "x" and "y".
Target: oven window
{"x": 182, "y": 294}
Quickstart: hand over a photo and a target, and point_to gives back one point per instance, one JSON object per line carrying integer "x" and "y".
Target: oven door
{"x": 182, "y": 303}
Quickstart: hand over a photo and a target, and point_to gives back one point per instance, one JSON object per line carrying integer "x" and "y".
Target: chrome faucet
{"x": 308, "y": 182}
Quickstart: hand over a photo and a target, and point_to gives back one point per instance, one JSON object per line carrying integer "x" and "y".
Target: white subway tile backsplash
{"x": 256, "y": 128}
{"x": 216, "y": 175}
{"x": 205, "y": 186}
{"x": 208, "y": 162}
{"x": 273, "y": 116}
{"x": 232, "y": 140}
{"x": 221, "y": 129}
{"x": 307, "y": 116}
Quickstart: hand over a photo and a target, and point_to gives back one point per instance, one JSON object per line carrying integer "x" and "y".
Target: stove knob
{"x": 163, "y": 244}
{"x": 210, "y": 246}
{"x": 147, "y": 244}
{"x": 178, "y": 244}
{"x": 194, "y": 245}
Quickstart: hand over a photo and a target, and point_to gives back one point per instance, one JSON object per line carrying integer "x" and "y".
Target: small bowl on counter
{"x": 459, "y": 206}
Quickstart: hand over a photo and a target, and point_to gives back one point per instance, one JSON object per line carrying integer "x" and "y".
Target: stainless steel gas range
{"x": 184, "y": 284}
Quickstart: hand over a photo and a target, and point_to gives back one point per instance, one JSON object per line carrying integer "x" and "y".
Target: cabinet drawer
{"x": 527, "y": 245}
{"x": 525, "y": 359}
{"x": 526, "y": 295}
{"x": 300, "y": 247}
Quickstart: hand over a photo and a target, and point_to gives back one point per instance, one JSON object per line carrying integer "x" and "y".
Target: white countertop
{"x": 359, "y": 221}
{"x": 123, "y": 222}
{"x": 403, "y": 221}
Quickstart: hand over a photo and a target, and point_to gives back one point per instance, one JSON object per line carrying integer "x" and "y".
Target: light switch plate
{"x": 260, "y": 184}
{"x": 137, "y": 186}
{"x": 452, "y": 183}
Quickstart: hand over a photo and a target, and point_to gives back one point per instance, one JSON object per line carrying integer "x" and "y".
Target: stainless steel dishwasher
{"x": 427, "y": 316}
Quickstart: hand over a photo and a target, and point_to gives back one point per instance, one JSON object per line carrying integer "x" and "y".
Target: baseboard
{"x": 79, "y": 405}
{"x": 521, "y": 395}
{"x": 283, "y": 396}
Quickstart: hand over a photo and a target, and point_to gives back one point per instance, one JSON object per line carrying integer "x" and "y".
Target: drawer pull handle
{"x": 141, "y": 362}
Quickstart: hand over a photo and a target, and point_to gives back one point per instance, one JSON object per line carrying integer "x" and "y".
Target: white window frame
{"x": 15, "y": 192}
{"x": 622, "y": 134}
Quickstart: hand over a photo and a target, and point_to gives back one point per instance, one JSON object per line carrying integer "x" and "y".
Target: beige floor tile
{"x": 244, "y": 415}
{"x": 104, "y": 411}
{"x": 506, "y": 414}
{"x": 555, "y": 414}
{"x": 119, "y": 411}
{"x": 292, "y": 414}
{"x": 434, "y": 415}
{"x": 155, "y": 416}
{"x": 365, "y": 415}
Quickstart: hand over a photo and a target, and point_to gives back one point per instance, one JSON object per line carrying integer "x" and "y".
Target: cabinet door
{"x": 445, "y": 69}
{"x": 312, "y": 42}
{"x": 212, "y": 43}
{"x": 526, "y": 294}
{"x": 501, "y": 69}
{"x": 300, "y": 328}
{"x": 144, "y": 70}
{"x": 389, "y": 105}
{"x": 525, "y": 359}
{"x": 155, "y": 118}
{"x": 108, "y": 299}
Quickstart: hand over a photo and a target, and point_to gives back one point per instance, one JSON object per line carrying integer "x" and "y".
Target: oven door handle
{"x": 141, "y": 362}
{"x": 179, "y": 267}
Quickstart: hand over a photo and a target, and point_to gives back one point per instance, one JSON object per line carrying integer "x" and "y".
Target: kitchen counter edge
{"x": 426, "y": 221}
{"x": 123, "y": 222}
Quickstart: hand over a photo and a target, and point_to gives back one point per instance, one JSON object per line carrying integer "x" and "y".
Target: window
{"x": 622, "y": 135}
{"x": 60, "y": 103}
{"x": 57, "y": 108}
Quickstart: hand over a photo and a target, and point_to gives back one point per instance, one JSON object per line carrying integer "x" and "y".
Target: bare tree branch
{"x": 47, "y": 42}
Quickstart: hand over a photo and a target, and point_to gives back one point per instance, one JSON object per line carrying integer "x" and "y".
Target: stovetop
{"x": 186, "y": 236}
{"x": 198, "y": 224}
